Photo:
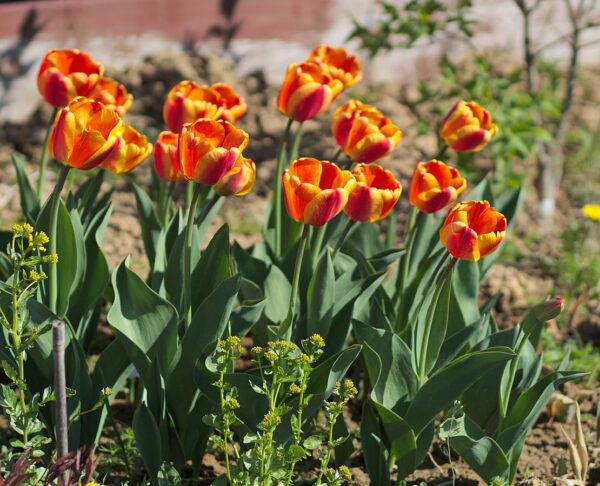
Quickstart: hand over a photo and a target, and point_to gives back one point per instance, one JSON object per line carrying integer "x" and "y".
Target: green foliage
{"x": 402, "y": 26}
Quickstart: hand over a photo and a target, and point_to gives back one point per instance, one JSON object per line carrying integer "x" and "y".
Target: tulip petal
{"x": 325, "y": 206}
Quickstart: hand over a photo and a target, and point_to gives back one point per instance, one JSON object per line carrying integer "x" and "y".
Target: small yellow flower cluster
{"x": 36, "y": 277}
{"x": 345, "y": 390}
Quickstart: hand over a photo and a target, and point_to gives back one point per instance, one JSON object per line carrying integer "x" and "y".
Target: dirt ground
{"x": 150, "y": 81}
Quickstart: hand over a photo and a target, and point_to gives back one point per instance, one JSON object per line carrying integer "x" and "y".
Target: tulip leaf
{"x": 394, "y": 384}
{"x": 148, "y": 439}
{"x": 174, "y": 270}
{"x": 145, "y": 323}
{"x": 447, "y": 384}
{"x": 463, "y": 301}
{"x": 482, "y": 453}
{"x": 321, "y": 297}
{"x": 148, "y": 221}
{"x": 30, "y": 204}
{"x": 213, "y": 267}
{"x": 375, "y": 453}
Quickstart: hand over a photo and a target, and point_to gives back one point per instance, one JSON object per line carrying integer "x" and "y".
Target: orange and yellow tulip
{"x": 112, "y": 94}
{"x": 133, "y": 149}
{"x": 435, "y": 186}
{"x": 315, "y": 191}
{"x": 65, "y": 74}
{"x": 338, "y": 63}
{"x": 363, "y": 133}
{"x": 166, "y": 157}
{"x": 375, "y": 194}
{"x": 85, "y": 134}
{"x": 472, "y": 229}
{"x": 233, "y": 105}
{"x": 189, "y": 101}
{"x": 239, "y": 180}
{"x": 467, "y": 127}
{"x": 208, "y": 149}
{"x": 307, "y": 91}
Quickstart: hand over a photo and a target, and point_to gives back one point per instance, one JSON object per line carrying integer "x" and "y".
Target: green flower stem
{"x": 165, "y": 208}
{"x": 390, "y": 231}
{"x": 277, "y": 187}
{"x": 296, "y": 277}
{"x": 295, "y": 144}
{"x": 441, "y": 151}
{"x": 336, "y": 157}
{"x": 225, "y": 425}
{"x": 89, "y": 197}
{"x": 342, "y": 238}
{"x": 413, "y": 217}
{"x": 187, "y": 252}
{"x": 327, "y": 458}
{"x": 317, "y": 244}
{"x": 504, "y": 398}
{"x": 55, "y": 201}
{"x": 189, "y": 194}
{"x": 422, "y": 362}
{"x": 44, "y": 157}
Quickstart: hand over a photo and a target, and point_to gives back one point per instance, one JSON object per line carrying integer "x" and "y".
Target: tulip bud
{"x": 363, "y": 133}
{"x": 234, "y": 106}
{"x": 166, "y": 157}
{"x": 63, "y": 75}
{"x": 337, "y": 63}
{"x": 84, "y": 134}
{"x": 434, "y": 186}
{"x": 307, "y": 91}
{"x": 208, "y": 149}
{"x": 133, "y": 150}
{"x": 472, "y": 229}
{"x": 187, "y": 102}
{"x": 375, "y": 194}
{"x": 467, "y": 127}
{"x": 112, "y": 94}
{"x": 239, "y": 180}
{"x": 549, "y": 309}
{"x": 315, "y": 191}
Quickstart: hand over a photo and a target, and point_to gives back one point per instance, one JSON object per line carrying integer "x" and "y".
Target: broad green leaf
{"x": 30, "y": 204}
{"x": 145, "y": 323}
{"x": 321, "y": 297}
{"x": 148, "y": 221}
{"x": 375, "y": 453}
{"x": 447, "y": 384}
{"x": 148, "y": 440}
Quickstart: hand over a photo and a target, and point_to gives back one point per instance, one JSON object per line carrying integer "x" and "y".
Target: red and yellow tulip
{"x": 133, "y": 149}
{"x": 315, "y": 191}
{"x": 307, "y": 91}
{"x": 112, "y": 94}
{"x": 166, "y": 157}
{"x": 65, "y": 74}
{"x": 85, "y": 134}
{"x": 472, "y": 229}
{"x": 435, "y": 186}
{"x": 375, "y": 194}
{"x": 363, "y": 133}
{"x": 338, "y": 63}
{"x": 239, "y": 180}
{"x": 208, "y": 149}
{"x": 189, "y": 101}
{"x": 467, "y": 127}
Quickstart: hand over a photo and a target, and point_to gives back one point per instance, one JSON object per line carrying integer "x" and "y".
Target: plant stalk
{"x": 53, "y": 277}
{"x": 60, "y": 390}
{"x": 90, "y": 194}
{"x": 187, "y": 254}
{"x": 297, "y": 269}
{"x": 277, "y": 187}
{"x": 342, "y": 238}
{"x": 44, "y": 156}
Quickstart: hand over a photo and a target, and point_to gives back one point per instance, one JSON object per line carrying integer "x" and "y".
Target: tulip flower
{"x": 467, "y": 127}
{"x": 315, "y": 191}
{"x": 166, "y": 157}
{"x": 336, "y": 62}
{"x": 133, "y": 149}
{"x": 112, "y": 94}
{"x": 435, "y": 186}
{"x": 63, "y": 75}
{"x": 307, "y": 91}
{"x": 239, "y": 180}
{"x": 208, "y": 149}
{"x": 591, "y": 211}
{"x": 375, "y": 194}
{"x": 187, "y": 102}
{"x": 233, "y": 105}
{"x": 363, "y": 133}
{"x": 85, "y": 134}
{"x": 472, "y": 229}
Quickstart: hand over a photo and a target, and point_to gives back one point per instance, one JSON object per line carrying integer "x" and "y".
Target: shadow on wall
{"x": 11, "y": 65}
